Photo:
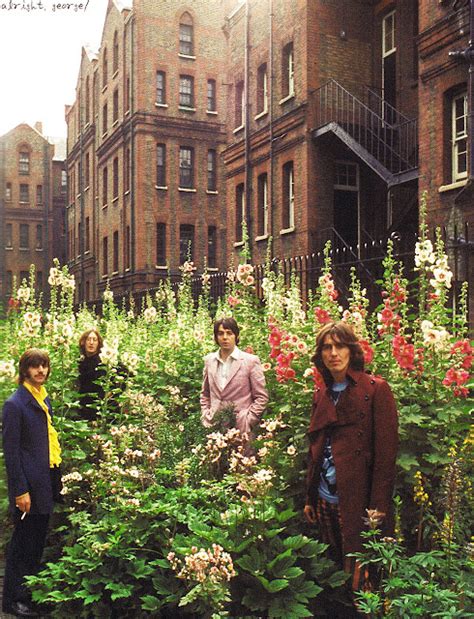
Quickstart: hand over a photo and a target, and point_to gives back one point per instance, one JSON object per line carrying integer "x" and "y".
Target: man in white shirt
{"x": 232, "y": 377}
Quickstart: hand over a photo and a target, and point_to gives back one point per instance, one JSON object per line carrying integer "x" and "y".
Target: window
{"x": 8, "y": 192}
{"x": 161, "y": 87}
{"x": 186, "y": 243}
{"x": 128, "y": 252}
{"x": 127, "y": 170}
{"x": 115, "y": 61}
{"x": 24, "y": 236}
{"x": 87, "y": 100}
{"x": 39, "y": 194}
{"x": 288, "y": 197}
{"x": 104, "y": 119}
{"x": 127, "y": 94}
{"x": 459, "y": 136}
{"x": 161, "y": 165}
{"x": 239, "y": 105}
{"x": 105, "y": 184}
{"x": 9, "y": 236}
{"x": 115, "y": 106}
{"x": 262, "y": 205}
{"x": 212, "y": 247}
{"x": 287, "y": 71}
{"x": 186, "y": 91}
{"x": 211, "y": 170}
{"x": 161, "y": 244}
{"x": 262, "y": 89}
{"x": 39, "y": 280}
{"x": 116, "y": 252}
{"x": 239, "y": 212}
{"x": 87, "y": 244}
{"x": 186, "y": 167}
{"x": 105, "y": 69}
{"x": 346, "y": 176}
{"x": 24, "y": 193}
{"x": 211, "y": 95}
{"x": 39, "y": 237}
{"x": 105, "y": 255}
{"x": 186, "y": 35}
{"x": 9, "y": 282}
{"x": 115, "y": 177}
{"x": 79, "y": 238}
{"x": 24, "y": 162}
{"x": 87, "y": 171}
{"x": 63, "y": 181}
{"x": 388, "y": 34}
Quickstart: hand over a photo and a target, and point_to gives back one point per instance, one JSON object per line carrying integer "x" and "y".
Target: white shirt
{"x": 224, "y": 367}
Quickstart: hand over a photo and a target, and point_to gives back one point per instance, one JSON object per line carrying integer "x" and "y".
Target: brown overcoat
{"x": 364, "y": 440}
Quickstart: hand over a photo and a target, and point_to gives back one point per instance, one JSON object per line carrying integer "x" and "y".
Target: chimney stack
{"x": 39, "y": 127}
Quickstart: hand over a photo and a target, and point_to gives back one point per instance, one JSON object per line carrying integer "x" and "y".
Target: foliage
{"x": 163, "y": 517}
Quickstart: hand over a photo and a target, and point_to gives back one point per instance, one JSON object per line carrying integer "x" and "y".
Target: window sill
{"x": 261, "y": 114}
{"x": 24, "y": 248}
{"x": 126, "y": 192}
{"x": 115, "y": 199}
{"x": 127, "y": 113}
{"x": 287, "y": 230}
{"x": 127, "y": 270}
{"x": 164, "y": 105}
{"x": 115, "y": 273}
{"x": 287, "y": 98}
{"x": 86, "y": 188}
{"x": 39, "y": 249}
{"x": 211, "y": 112}
{"x": 24, "y": 201}
{"x": 161, "y": 267}
{"x": 238, "y": 244}
{"x": 162, "y": 187}
{"x": 452, "y": 186}
{"x": 115, "y": 74}
{"x": 104, "y": 135}
{"x": 237, "y": 129}
{"x": 185, "y": 108}
{"x": 104, "y": 88}
{"x": 115, "y": 123}
{"x": 104, "y": 206}
{"x": 187, "y": 189}
{"x": 187, "y": 56}
{"x": 9, "y": 248}
{"x": 263, "y": 237}
{"x": 212, "y": 192}
{"x": 213, "y": 269}
{"x": 105, "y": 276}
{"x": 88, "y": 251}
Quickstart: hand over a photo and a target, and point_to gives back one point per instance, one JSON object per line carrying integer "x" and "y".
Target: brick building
{"x": 32, "y": 200}
{"x": 145, "y": 136}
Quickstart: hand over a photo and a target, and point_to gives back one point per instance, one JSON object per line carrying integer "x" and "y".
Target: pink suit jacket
{"x": 245, "y": 389}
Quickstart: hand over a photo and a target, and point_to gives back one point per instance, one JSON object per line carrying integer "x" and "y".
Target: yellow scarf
{"x": 40, "y": 396}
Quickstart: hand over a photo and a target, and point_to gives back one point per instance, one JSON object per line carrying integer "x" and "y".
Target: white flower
{"x": 187, "y": 267}
{"x": 268, "y": 284}
{"x": 291, "y": 450}
{"x": 67, "y": 331}
{"x": 108, "y": 295}
{"x": 438, "y": 338}
{"x": 7, "y": 369}
{"x": 55, "y": 277}
{"x": 150, "y": 314}
{"x": 308, "y": 372}
{"x": 109, "y": 354}
{"x": 69, "y": 282}
{"x": 442, "y": 276}
{"x": 131, "y": 361}
{"x": 263, "y": 475}
{"x": 424, "y": 253}
{"x": 23, "y": 294}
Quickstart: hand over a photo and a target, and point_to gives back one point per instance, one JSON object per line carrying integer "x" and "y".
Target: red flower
{"x": 284, "y": 374}
{"x": 322, "y": 315}
{"x": 403, "y": 352}
{"x": 457, "y": 379}
{"x": 249, "y": 349}
{"x": 367, "y": 350}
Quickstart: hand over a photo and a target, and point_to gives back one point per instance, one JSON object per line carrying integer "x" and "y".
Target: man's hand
{"x": 310, "y": 514}
{"x": 24, "y": 503}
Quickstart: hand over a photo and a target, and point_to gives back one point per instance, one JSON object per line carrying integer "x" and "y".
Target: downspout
{"x": 81, "y": 199}
{"x": 48, "y": 153}
{"x": 270, "y": 184}
{"x": 248, "y": 175}
{"x": 132, "y": 148}
{"x": 3, "y": 273}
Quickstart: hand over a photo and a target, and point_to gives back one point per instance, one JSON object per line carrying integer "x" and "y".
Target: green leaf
{"x": 274, "y": 585}
{"x": 293, "y": 572}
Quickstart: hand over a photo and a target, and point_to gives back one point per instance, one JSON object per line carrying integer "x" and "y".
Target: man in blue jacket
{"x": 32, "y": 457}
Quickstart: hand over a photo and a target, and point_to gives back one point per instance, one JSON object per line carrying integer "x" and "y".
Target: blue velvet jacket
{"x": 26, "y": 450}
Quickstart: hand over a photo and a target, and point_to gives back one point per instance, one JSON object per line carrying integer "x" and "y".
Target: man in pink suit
{"x": 232, "y": 378}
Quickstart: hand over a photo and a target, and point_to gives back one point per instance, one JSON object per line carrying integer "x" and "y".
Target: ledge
{"x": 162, "y": 187}
{"x": 261, "y": 114}
{"x": 287, "y": 230}
{"x": 238, "y": 244}
{"x": 452, "y": 186}
{"x": 185, "y": 108}
{"x": 164, "y": 105}
{"x": 211, "y": 192}
{"x": 212, "y": 112}
{"x": 187, "y": 56}
{"x": 237, "y": 129}
{"x": 187, "y": 189}
{"x": 263, "y": 237}
{"x": 287, "y": 98}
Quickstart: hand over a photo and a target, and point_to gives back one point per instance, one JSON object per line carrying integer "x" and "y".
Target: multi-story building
{"x": 145, "y": 135}
{"x": 32, "y": 200}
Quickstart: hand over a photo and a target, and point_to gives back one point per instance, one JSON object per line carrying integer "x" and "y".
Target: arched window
{"x": 186, "y": 35}
{"x": 105, "y": 69}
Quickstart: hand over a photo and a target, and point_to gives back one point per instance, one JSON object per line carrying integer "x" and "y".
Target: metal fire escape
{"x": 376, "y": 132}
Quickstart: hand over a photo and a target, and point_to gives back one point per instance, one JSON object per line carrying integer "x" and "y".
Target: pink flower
{"x": 233, "y": 301}
{"x": 284, "y": 374}
{"x": 404, "y": 353}
{"x": 249, "y": 349}
{"x": 322, "y": 315}
{"x": 367, "y": 350}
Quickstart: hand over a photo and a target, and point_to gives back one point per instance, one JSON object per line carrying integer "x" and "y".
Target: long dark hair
{"x": 85, "y": 335}
{"x": 340, "y": 332}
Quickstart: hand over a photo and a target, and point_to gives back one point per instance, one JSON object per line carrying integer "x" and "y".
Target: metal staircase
{"x": 380, "y": 135}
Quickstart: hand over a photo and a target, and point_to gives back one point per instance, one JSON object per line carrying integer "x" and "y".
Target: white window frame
{"x": 456, "y": 137}
{"x": 386, "y": 51}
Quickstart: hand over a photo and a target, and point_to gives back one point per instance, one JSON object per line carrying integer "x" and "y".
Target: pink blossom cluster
{"x": 214, "y": 565}
{"x": 389, "y": 318}
{"x": 367, "y": 350}
{"x": 322, "y": 315}
{"x": 457, "y": 379}
{"x": 284, "y": 349}
{"x": 463, "y": 350}
{"x": 327, "y": 284}
{"x": 244, "y": 274}
{"x": 405, "y": 354}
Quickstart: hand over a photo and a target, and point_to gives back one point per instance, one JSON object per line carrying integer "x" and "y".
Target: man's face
{"x": 91, "y": 344}
{"x": 37, "y": 375}
{"x": 336, "y": 357}
{"x": 225, "y": 339}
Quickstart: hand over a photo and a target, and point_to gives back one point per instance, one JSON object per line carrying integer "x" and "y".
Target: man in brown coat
{"x": 353, "y": 437}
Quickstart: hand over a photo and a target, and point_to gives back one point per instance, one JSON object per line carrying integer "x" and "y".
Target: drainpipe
{"x": 248, "y": 175}
{"x": 270, "y": 184}
{"x": 81, "y": 198}
{"x": 132, "y": 148}
{"x": 468, "y": 56}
